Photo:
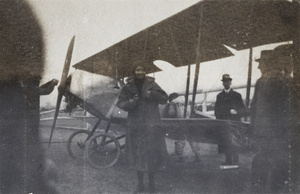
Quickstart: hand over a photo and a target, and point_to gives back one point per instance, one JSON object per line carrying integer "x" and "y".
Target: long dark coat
{"x": 145, "y": 143}
{"x": 270, "y": 124}
{"x": 225, "y": 102}
{"x": 270, "y": 107}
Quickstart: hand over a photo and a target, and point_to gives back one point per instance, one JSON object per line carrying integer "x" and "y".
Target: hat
{"x": 173, "y": 96}
{"x": 265, "y": 55}
{"x": 226, "y": 77}
{"x": 283, "y": 57}
{"x": 285, "y": 50}
{"x": 145, "y": 65}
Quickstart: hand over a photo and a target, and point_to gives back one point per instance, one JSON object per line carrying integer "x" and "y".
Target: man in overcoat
{"x": 270, "y": 124}
{"x": 229, "y": 106}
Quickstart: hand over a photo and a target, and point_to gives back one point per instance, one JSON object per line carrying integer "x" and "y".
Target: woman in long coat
{"x": 145, "y": 143}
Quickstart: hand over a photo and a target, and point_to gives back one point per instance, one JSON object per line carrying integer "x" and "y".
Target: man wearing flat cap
{"x": 229, "y": 106}
{"x": 270, "y": 116}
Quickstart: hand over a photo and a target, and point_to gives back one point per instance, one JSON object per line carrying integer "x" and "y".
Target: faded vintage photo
{"x": 135, "y": 96}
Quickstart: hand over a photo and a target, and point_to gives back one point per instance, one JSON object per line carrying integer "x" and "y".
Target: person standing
{"x": 229, "y": 106}
{"x": 22, "y": 65}
{"x": 270, "y": 123}
{"x": 176, "y": 110}
{"x": 145, "y": 142}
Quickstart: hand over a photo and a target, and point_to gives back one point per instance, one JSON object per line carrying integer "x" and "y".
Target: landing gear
{"x": 102, "y": 150}
{"x": 76, "y": 144}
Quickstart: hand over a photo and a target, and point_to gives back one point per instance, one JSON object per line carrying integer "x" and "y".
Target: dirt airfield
{"x": 79, "y": 177}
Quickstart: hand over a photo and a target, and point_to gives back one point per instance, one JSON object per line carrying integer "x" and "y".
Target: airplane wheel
{"x": 102, "y": 151}
{"x": 76, "y": 144}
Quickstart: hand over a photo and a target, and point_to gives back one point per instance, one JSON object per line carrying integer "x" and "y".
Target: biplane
{"x": 192, "y": 36}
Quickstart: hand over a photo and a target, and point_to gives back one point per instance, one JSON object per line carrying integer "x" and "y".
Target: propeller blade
{"x": 62, "y": 85}
{"x": 65, "y": 73}
{"x": 59, "y": 98}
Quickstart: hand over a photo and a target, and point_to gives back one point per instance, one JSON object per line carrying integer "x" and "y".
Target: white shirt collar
{"x": 227, "y": 91}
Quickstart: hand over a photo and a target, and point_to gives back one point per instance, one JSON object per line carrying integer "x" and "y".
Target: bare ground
{"x": 79, "y": 177}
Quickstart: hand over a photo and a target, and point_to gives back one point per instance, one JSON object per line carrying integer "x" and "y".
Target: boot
{"x": 152, "y": 188}
{"x": 140, "y": 186}
{"x": 235, "y": 157}
{"x": 228, "y": 160}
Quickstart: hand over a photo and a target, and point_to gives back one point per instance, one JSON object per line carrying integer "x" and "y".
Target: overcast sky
{"x": 98, "y": 24}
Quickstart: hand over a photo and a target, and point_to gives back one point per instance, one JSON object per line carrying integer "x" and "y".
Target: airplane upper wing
{"x": 173, "y": 40}
{"x": 211, "y": 24}
{"x": 250, "y": 23}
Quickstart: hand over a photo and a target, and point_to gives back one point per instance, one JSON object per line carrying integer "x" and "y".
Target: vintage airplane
{"x": 192, "y": 36}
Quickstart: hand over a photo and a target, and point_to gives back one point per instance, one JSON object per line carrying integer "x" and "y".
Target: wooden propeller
{"x": 62, "y": 85}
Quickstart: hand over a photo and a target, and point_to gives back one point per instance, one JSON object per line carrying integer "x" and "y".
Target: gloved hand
{"x": 233, "y": 112}
{"x": 134, "y": 99}
{"x": 148, "y": 94}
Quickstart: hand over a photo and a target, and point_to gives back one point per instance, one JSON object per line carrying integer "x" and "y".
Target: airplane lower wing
{"x": 98, "y": 95}
{"x": 202, "y": 130}
{"x": 206, "y": 130}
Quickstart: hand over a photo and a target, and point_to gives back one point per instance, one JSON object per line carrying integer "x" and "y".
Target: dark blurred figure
{"x": 270, "y": 122}
{"x": 22, "y": 64}
{"x": 229, "y": 106}
{"x": 175, "y": 109}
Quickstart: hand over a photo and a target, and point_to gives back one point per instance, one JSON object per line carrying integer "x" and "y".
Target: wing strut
{"x": 187, "y": 90}
{"x": 249, "y": 81}
{"x": 197, "y": 69}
